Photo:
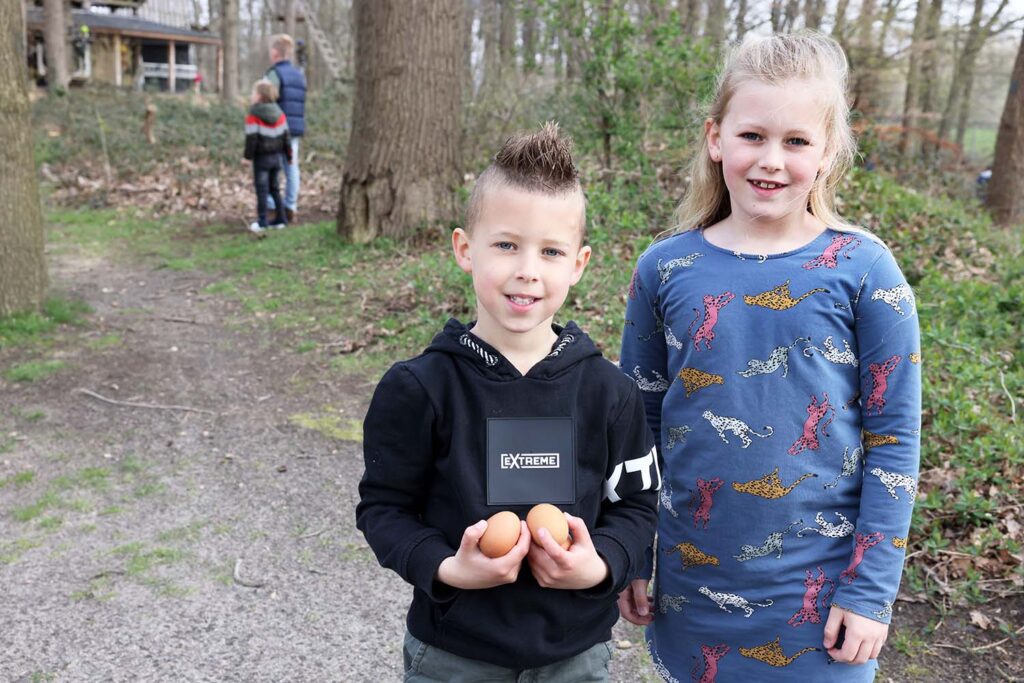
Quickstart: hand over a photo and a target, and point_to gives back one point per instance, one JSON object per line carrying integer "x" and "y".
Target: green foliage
{"x": 27, "y": 328}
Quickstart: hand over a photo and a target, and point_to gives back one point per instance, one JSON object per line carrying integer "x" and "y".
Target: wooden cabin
{"x": 121, "y": 43}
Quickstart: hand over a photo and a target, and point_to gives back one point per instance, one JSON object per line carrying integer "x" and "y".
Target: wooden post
{"x": 170, "y": 66}
{"x": 117, "y": 59}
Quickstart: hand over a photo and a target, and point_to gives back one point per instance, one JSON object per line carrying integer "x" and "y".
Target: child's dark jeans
{"x": 265, "y": 170}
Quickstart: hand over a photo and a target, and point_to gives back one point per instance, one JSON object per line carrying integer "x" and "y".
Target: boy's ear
{"x": 713, "y": 134}
{"x": 460, "y": 247}
{"x": 582, "y": 259}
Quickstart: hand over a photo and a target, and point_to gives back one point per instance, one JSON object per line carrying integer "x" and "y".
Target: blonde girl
{"x": 778, "y": 353}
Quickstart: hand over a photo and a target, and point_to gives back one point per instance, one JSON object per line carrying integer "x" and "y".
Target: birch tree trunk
{"x": 402, "y": 168}
{"x": 1006, "y": 189}
{"x": 911, "y": 106}
{"x": 22, "y": 265}
{"x": 229, "y": 38}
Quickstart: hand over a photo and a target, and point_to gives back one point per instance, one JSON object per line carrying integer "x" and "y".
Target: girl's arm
{"x": 644, "y": 353}
{"x": 889, "y": 342}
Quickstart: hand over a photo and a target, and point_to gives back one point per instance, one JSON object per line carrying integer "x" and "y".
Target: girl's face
{"x": 771, "y": 144}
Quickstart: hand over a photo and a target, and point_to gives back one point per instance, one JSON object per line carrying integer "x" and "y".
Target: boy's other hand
{"x": 577, "y": 568}
{"x": 863, "y": 640}
{"x": 634, "y": 604}
{"x": 470, "y": 569}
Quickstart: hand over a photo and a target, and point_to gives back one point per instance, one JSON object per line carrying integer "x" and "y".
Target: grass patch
{"x": 330, "y": 425}
{"x": 26, "y": 329}
{"x": 11, "y": 552}
{"x": 107, "y": 341}
{"x": 19, "y": 479}
{"x": 33, "y": 371}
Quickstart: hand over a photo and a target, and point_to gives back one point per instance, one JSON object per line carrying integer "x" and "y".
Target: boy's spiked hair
{"x": 265, "y": 90}
{"x": 535, "y": 162}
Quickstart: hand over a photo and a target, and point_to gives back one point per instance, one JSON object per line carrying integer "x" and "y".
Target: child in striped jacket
{"x": 268, "y": 146}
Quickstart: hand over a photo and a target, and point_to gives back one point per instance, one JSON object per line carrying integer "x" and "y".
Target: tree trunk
{"x": 22, "y": 264}
{"x": 529, "y": 15}
{"x": 289, "y": 17}
{"x": 468, "y": 84}
{"x": 741, "y": 19}
{"x": 714, "y": 27}
{"x": 814, "y": 12}
{"x": 963, "y": 70}
{"x": 839, "y": 27}
{"x": 930, "y": 64}
{"x": 489, "y": 31}
{"x": 690, "y": 15}
{"x": 507, "y": 38}
{"x": 55, "y": 35}
{"x": 229, "y": 37}
{"x": 402, "y": 168}
{"x": 910, "y": 95}
{"x": 1006, "y": 189}
{"x": 861, "y": 59}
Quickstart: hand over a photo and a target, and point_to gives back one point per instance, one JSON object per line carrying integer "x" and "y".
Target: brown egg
{"x": 501, "y": 535}
{"x": 549, "y": 517}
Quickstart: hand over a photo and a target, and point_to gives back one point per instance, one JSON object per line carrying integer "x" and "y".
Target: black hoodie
{"x": 428, "y": 467}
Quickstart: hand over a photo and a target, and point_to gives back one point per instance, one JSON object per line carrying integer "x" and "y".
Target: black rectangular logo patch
{"x": 530, "y": 460}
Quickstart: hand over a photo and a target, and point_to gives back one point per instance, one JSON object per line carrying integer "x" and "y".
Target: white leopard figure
{"x": 833, "y": 354}
{"x": 738, "y": 427}
{"x": 732, "y": 600}
{"x": 779, "y": 357}
{"x": 886, "y": 610}
{"x": 894, "y": 296}
{"x": 670, "y": 339}
{"x": 673, "y": 602}
{"x": 895, "y": 480}
{"x": 665, "y": 271}
{"x": 677, "y": 435}
{"x": 665, "y": 498}
{"x": 851, "y": 462}
{"x": 772, "y": 544}
{"x": 657, "y": 385}
{"x": 826, "y": 528}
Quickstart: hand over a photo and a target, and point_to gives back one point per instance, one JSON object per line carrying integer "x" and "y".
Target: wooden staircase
{"x": 323, "y": 45}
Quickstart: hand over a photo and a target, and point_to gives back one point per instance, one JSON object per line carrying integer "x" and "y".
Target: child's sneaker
{"x": 256, "y": 228}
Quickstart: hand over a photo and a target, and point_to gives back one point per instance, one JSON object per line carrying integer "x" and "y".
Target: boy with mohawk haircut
{"x": 446, "y": 435}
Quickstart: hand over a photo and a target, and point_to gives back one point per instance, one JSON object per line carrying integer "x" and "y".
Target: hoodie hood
{"x": 572, "y": 347}
{"x": 268, "y": 112}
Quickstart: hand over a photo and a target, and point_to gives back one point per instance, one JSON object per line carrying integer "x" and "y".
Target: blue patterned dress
{"x": 785, "y": 394}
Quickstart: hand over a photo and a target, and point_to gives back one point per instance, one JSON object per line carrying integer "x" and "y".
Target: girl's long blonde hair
{"x": 776, "y": 59}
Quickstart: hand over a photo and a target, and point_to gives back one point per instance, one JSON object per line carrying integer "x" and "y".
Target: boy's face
{"x": 524, "y": 253}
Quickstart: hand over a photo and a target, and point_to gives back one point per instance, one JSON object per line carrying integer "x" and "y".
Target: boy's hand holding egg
{"x": 557, "y": 564}
{"x": 471, "y": 568}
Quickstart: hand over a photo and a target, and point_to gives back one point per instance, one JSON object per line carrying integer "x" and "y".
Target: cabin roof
{"x": 126, "y": 25}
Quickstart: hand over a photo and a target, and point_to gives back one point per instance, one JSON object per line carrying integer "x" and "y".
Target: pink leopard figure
{"x": 815, "y": 414}
{"x": 711, "y": 656}
{"x": 706, "y": 489}
{"x": 880, "y": 377}
{"x": 830, "y": 257}
{"x": 864, "y": 542}
{"x": 809, "y": 611}
{"x": 706, "y": 332}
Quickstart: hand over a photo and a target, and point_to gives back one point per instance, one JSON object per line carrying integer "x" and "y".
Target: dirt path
{"x": 120, "y": 552}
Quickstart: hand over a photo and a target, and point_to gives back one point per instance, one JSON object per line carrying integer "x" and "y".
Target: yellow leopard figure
{"x": 772, "y": 654}
{"x": 769, "y": 486}
{"x": 915, "y": 358}
{"x": 694, "y": 380}
{"x": 692, "y": 556}
{"x": 778, "y": 299}
{"x": 871, "y": 440}
{"x": 898, "y": 542}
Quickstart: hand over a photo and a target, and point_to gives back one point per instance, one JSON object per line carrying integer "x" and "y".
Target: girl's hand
{"x": 470, "y": 569}
{"x": 864, "y": 637}
{"x": 577, "y": 568}
{"x": 634, "y": 604}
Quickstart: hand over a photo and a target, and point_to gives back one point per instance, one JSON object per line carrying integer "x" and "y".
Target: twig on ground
{"x": 237, "y": 577}
{"x": 180, "y": 320}
{"x": 1009, "y": 397}
{"x": 314, "y": 570}
{"x": 312, "y": 534}
{"x": 152, "y": 406}
{"x": 107, "y": 572}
